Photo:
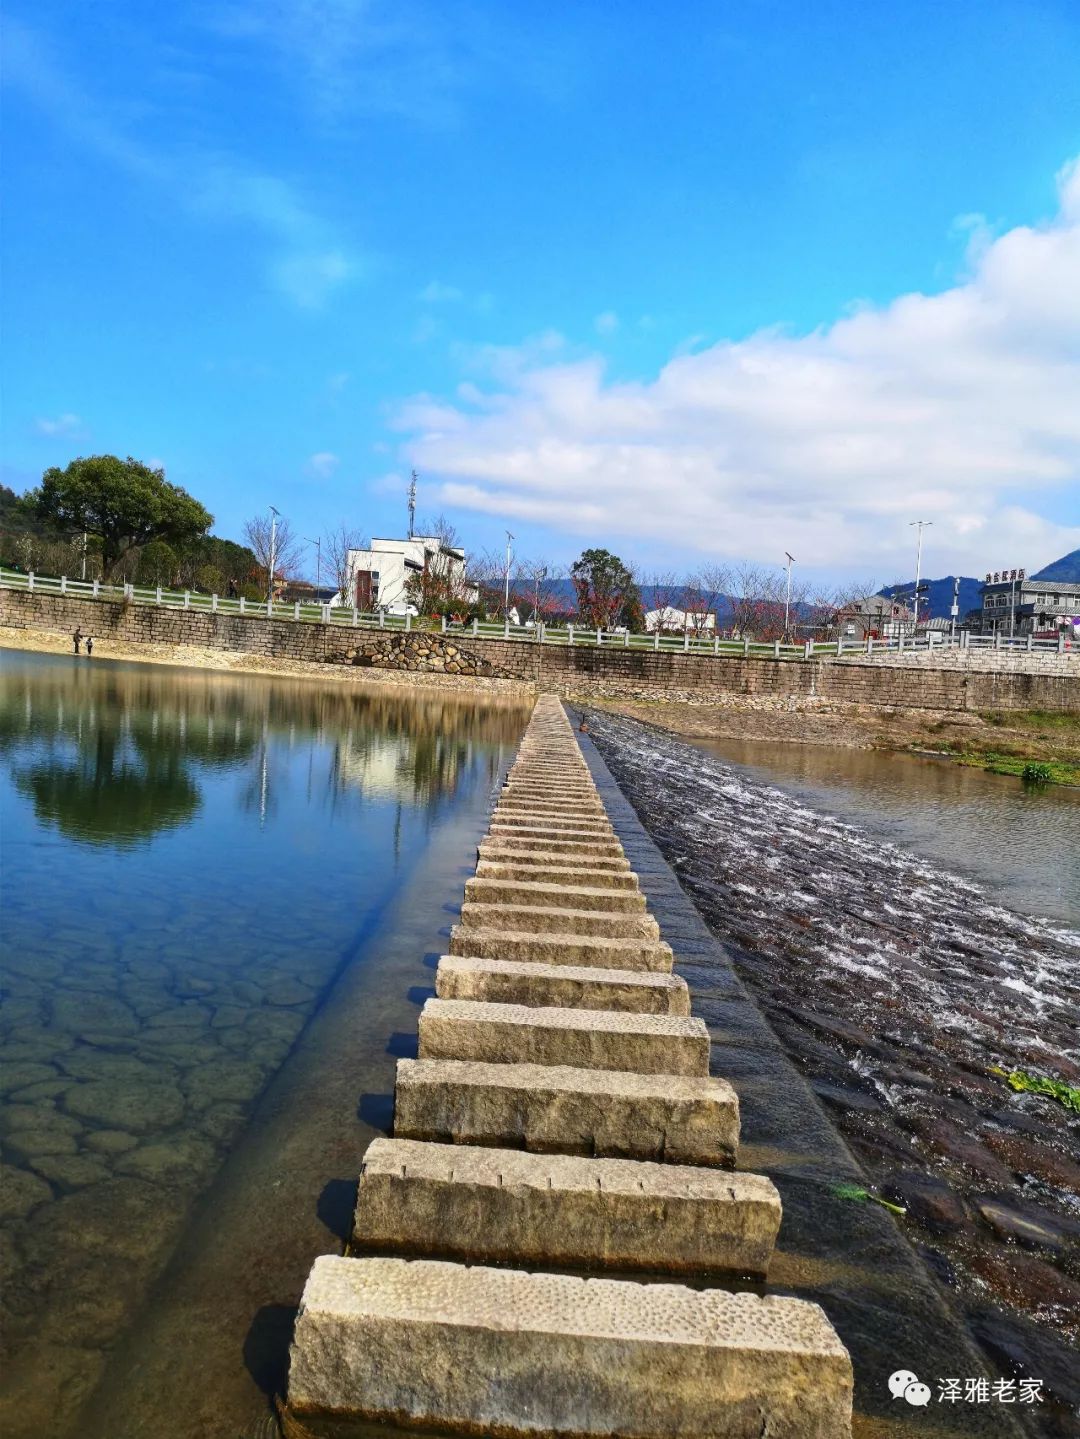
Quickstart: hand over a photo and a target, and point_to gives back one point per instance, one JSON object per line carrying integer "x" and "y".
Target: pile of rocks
{"x": 415, "y": 651}
{"x": 561, "y": 1116}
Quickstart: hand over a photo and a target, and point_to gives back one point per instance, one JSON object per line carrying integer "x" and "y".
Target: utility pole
{"x": 921, "y": 525}
{"x": 506, "y": 588}
{"x": 412, "y": 503}
{"x": 84, "y": 554}
{"x": 954, "y": 610}
{"x": 273, "y": 559}
{"x": 538, "y": 577}
{"x": 318, "y": 564}
{"x": 787, "y": 597}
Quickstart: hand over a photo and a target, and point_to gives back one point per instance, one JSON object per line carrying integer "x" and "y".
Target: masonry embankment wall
{"x": 578, "y": 672}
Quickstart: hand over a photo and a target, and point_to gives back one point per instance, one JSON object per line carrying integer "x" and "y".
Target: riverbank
{"x": 204, "y": 657}
{"x": 900, "y": 991}
{"x": 1000, "y": 742}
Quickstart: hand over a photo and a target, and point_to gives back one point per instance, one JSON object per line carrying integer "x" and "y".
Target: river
{"x": 1022, "y": 840}
{"x": 191, "y": 862}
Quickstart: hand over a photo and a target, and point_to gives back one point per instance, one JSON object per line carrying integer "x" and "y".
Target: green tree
{"x": 126, "y": 503}
{"x": 157, "y": 564}
{"x": 607, "y": 594}
{"x": 210, "y": 580}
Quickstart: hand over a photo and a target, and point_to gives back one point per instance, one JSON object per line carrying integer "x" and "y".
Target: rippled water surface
{"x": 189, "y": 861}
{"x": 1024, "y": 842}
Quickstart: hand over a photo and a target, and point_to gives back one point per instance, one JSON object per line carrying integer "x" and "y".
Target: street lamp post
{"x": 506, "y": 586}
{"x": 273, "y": 559}
{"x": 318, "y": 564}
{"x": 921, "y": 525}
{"x": 787, "y": 595}
{"x": 539, "y": 577}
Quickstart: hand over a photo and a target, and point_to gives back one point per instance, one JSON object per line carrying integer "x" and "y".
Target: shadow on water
{"x": 335, "y": 1206}
{"x": 266, "y": 1348}
{"x": 191, "y": 862}
{"x": 377, "y": 1110}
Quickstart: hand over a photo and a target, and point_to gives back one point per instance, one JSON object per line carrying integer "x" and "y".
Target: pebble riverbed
{"x": 897, "y": 988}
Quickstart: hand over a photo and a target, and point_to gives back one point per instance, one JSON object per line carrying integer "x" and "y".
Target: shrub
{"x": 1036, "y": 773}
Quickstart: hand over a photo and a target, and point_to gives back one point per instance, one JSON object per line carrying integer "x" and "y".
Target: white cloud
{"x": 322, "y": 464}
{"x": 304, "y": 260}
{"x": 66, "y": 424}
{"x": 435, "y": 293}
{"x": 606, "y": 323}
{"x": 961, "y": 407}
{"x": 308, "y": 279}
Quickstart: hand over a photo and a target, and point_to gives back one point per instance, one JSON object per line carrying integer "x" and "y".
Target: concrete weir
{"x": 561, "y": 1116}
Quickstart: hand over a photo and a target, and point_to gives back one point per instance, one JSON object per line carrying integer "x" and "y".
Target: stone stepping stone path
{"x": 561, "y": 1115}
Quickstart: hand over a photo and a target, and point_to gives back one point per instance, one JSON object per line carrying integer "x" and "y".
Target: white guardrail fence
{"x": 560, "y": 634}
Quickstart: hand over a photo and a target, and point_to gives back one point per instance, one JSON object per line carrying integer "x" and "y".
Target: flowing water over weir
{"x": 902, "y": 991}
{"x": 561, "y": 1113}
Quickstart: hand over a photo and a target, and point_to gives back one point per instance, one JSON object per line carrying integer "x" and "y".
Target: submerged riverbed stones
{"x": 20, "y": 1192}
{"x": 536, "y": 1354}
{"x": 136, "y": 1107}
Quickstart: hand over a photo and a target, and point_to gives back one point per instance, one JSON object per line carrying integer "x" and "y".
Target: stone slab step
{"x": 564, "y": 986}
{"x": 543, "y": 853}
{"x": 578, "y": 949}
{"x": 483, "y": 890}
{"x": 573, "y": 823}
{"x": 591, "y": 848}
{"x": 547, "y": 919}
{"x": 547, "y": 870}
{"x": 511, "y": 807}
{"x": 557, "y": 789}
{"x": 580, "y": 1038}
{"x": 504, "y": 1206}
{"x": 556, "y": 1109}
{"x": 490, "y": 1351}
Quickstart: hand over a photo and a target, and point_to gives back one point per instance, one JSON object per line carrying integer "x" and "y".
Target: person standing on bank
{"x": 76, "y": 640}
{"x": 89, "y": 644}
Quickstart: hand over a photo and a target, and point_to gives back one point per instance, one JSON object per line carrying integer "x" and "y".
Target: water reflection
{"x": 112, "y": 753}
{"x": 190, "y": 859}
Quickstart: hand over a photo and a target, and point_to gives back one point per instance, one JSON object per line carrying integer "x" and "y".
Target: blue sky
{"x": 700, "y": 282}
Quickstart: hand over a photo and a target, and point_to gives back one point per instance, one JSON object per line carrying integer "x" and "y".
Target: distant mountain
{"x": 1065, "y": 571}
{"x": 940, "y": 596}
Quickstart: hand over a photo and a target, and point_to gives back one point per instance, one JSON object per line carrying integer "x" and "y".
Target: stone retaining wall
{"x": 579, "y": 672}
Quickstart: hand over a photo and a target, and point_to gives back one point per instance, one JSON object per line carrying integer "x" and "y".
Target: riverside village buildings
{"x": 390, "y": 575}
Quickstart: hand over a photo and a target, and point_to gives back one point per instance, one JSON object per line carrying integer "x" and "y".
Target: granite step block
{"x": 482, "y": 890}
{"x": 547, "y": 919}
{"x": 487, "y": 1033}
{"x": 550, "y": 948}
{"x": 489, "y": 1351}
{"x": 563, "y": 986}
{"x": 556, "y": 1109}
{"x": 504, "y": 1206}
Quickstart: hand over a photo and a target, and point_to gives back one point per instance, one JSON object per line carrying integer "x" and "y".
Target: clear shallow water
{"x": 1021, "y": 842}
{"x": 189, "y": 861}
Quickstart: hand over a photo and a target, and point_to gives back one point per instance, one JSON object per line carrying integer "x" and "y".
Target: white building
{"x": 669, "y": 618}
{"x": 390, "y": 575}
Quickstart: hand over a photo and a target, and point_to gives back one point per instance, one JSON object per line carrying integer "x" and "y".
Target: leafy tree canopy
{"x": 607, "y": 594}
{"x": 125, "y": 502}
